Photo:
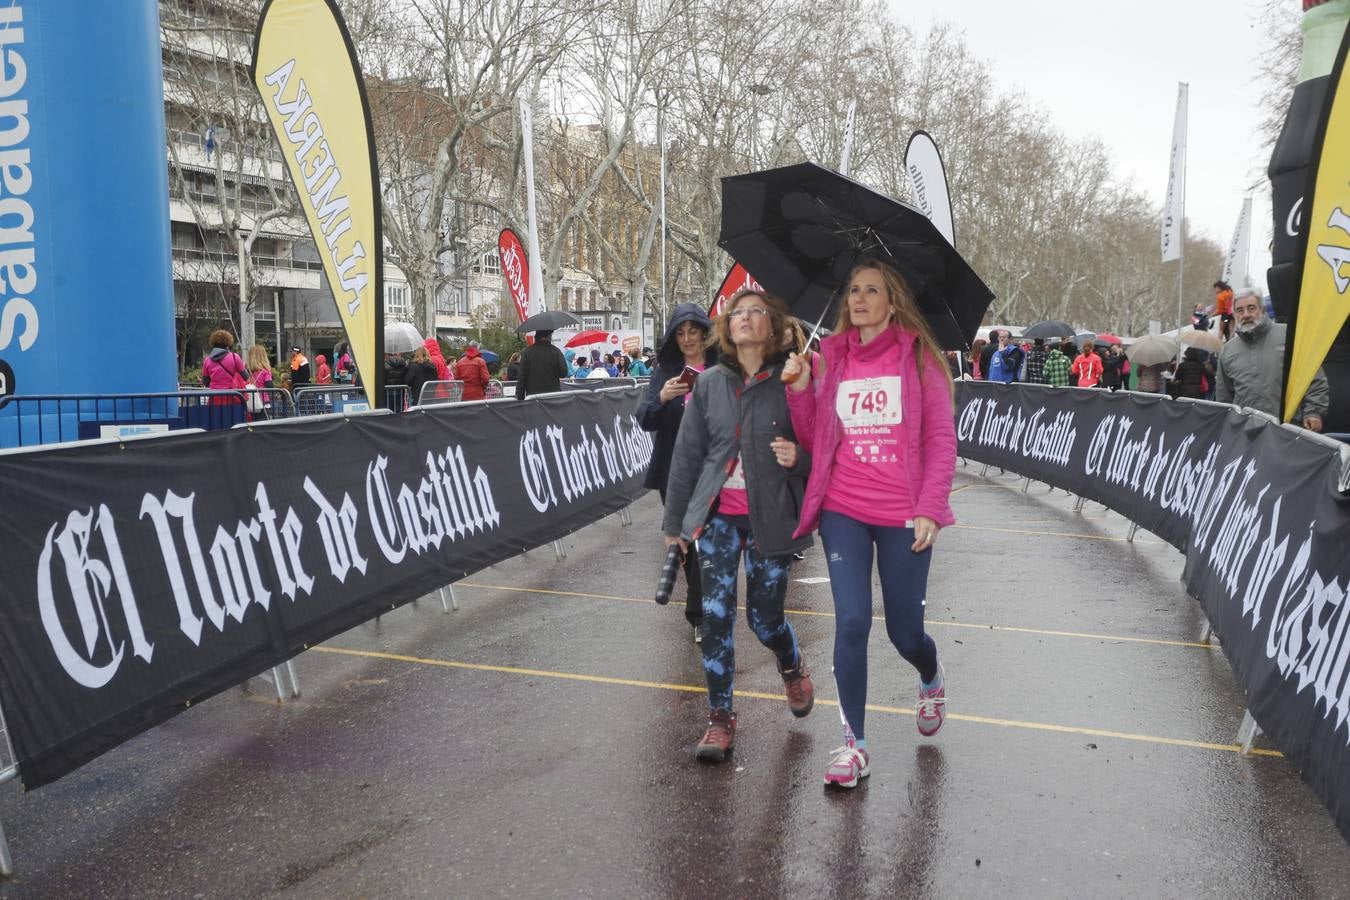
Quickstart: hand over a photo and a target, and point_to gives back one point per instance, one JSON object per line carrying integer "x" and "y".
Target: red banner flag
{"x": 515, "y": 270}
{"x": 737, "y": 280}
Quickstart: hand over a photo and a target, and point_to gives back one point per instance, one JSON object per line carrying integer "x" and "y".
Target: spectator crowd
{"x": 1246, "y": 371}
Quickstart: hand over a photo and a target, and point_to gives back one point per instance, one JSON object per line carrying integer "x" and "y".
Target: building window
{"x": 487, "y": 264}
{"x": 396, "y": 302}
{"x": 451, "y": 300}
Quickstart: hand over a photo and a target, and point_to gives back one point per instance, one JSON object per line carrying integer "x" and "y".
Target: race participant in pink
{"x": 877, "y": 418}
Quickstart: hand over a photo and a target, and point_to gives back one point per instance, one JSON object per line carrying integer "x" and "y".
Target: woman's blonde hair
{"x": 721, "y": 332}
{"x": 421, "y": 355}
{"x": 904, "y": 310}
{"x": 257, "y": 358}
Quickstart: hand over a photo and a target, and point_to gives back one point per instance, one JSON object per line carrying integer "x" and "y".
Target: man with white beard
{"x": 1251, "y": 368}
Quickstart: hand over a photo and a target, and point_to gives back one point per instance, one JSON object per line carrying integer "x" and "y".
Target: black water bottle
{"x": 669, "y": 572}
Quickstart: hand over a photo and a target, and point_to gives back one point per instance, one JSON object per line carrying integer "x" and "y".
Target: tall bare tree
{"x": 447, "y": 69}
{"x": 234, "y": 181}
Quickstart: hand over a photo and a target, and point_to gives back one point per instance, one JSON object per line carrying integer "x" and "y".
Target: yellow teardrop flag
{"x": 305, "y": 68}
{"x": 1323, "y": 303}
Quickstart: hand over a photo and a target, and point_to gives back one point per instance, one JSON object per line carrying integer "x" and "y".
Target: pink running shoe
{"x": 932, "y": 706}
{"x": 848, "y": 767}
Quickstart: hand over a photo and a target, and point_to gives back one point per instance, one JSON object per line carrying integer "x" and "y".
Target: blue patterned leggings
{"x": 721, "y": 546}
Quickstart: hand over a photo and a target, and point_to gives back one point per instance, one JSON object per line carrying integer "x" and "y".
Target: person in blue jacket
{"x": 1006, "y": 361}
{"x": 685, "y": 343}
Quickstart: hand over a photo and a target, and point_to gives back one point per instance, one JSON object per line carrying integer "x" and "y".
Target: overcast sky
{"x": 1111, "y": 70}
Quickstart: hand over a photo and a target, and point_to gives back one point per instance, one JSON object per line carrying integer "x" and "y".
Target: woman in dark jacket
{"x": 419, "y": 372}
{"x": 1191, "y": 379}
{"x": 662, "y": 408}
{"x": 736, "y": 482}
{"x": 1113, "y": 368}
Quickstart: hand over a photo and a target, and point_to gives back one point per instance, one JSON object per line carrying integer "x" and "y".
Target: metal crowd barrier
{"x": 321, "y": 399}
{"x": 436, "y": 393}
{"x": 595, "y": 384}
{"x": 283, "y": 678}
{"x": 8, "y": 773}
{"x": 269, "y": 403}
{"x": 27, "y": 421}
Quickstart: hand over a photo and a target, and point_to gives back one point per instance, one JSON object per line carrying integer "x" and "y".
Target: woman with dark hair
{"x": 977, "y": 358}
{"x": 736, "y": 481}
{"x": 684, "y": 345}
{"x": 879, "y": 424}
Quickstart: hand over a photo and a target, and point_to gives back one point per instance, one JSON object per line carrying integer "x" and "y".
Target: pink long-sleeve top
{"x": 883, "y": 440}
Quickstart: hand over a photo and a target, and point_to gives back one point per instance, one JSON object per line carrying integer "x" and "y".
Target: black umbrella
{"x": 548, "y": 320}
{"x": 800, "y": 229}
{"x": 1050, "y": 329}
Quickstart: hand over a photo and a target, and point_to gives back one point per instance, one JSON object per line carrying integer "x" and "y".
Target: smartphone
{"x": 689, "y": 376}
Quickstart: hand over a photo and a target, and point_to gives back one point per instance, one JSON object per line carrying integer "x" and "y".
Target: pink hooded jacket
{"x": 930, "y": 451}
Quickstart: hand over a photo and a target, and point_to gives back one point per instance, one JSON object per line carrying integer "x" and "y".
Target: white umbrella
{"x": 1204, "y": 340}
{"x": 1152, "y": 350}
{"x": 401, "y": 337}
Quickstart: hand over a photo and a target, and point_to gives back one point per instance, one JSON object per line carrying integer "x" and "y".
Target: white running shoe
{"x": 848, "y": 767}
{"x": 932, "y": 706}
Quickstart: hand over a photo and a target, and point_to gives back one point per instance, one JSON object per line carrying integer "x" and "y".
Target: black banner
{"x": 142, "y": 578}
{"x": 1258, "y": 512}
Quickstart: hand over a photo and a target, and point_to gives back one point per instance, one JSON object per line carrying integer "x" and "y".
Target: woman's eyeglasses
{"x": 743, "y": 311}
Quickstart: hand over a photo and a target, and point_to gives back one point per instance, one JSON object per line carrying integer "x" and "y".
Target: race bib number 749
{"x": 866, "y": 402}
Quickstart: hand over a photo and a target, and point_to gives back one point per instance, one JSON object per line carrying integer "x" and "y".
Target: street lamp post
{"x": 757, "y": 90}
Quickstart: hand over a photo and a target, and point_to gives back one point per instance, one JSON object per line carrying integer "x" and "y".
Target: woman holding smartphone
{"x": 735, "y": 489}
{"x": 880, "y": 424}
{"x": 684, "y": 354}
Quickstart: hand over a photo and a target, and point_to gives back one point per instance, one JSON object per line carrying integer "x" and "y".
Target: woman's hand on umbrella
{"x": 796, "y": 372}
{"x": 784, "y": 451}
{"x": 925, "y": 533}
{"x": 674, "y": 388}
{"x": 684, "y": 545}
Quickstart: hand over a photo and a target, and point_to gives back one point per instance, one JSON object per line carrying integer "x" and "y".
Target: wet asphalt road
{"x": 537, "y": 743}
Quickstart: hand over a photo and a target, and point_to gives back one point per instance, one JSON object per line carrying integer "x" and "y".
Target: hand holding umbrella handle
{"x": 796, "y": 372}
{"x": 670, "y": 570}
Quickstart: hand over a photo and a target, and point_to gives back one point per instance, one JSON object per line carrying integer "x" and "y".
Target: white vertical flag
{"x": 1239, "y": 248}
{"x": 660, "y": 136}
{"x": 1174, "y": 209}
{"x": 532, "y": 238}
{"x": 928, "y": 183}
{"x": 848, "y": 139}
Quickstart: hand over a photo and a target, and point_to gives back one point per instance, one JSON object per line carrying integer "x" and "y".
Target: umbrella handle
{"x": 804, "y": 360}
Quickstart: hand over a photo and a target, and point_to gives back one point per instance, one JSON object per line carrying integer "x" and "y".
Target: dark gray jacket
{"x": 726, "y": 416}
{"x": 1251, "y": 373}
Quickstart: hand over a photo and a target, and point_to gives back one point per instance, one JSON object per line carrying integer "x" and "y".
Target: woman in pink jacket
{"x": 879, "y": 425}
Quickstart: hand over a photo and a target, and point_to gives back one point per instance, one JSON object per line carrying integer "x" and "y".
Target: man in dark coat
{"x": 661, "y": 411}
{"x": 542, "y": 367}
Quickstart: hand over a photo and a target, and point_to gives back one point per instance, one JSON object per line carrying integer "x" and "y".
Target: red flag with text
{"x": 515, "y": 270}
{"x": 738, "y": 279}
